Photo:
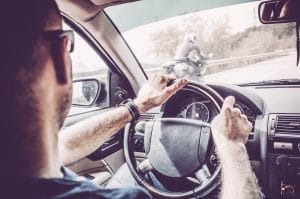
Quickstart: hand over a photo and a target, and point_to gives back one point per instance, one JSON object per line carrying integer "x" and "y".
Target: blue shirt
{"x": 64, "y": 188}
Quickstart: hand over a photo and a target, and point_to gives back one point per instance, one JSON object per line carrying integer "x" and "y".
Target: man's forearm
{"x": 238, "y": 179}
{"x": 84, "y": 137}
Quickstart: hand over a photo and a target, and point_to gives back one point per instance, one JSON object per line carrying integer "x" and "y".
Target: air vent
{"x": 288, "y": 124}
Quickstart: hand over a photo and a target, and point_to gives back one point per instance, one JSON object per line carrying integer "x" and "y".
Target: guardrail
{"x": 212, "y": 65}
{"x": 257, "y": 56}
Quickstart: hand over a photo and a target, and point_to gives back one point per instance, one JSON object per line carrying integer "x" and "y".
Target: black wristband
{"x": 132, "y": 108}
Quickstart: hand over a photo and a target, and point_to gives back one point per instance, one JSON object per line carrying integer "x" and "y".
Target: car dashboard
{"x": 274, "y": 142}
{"x": 188, "y": 105}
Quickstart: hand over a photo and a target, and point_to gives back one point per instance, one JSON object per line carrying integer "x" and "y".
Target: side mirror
{"x": 279, "y": 11}
{"x": 85, "y": 92}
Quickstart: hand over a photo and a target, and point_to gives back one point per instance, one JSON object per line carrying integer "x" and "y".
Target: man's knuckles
{"x": 170, "y": 91}
{"x": 157, "y": 78}
{"x": 236, "y": 112}
{"x": 226, "y": 111}
{"x": 244, "y": 117}
{"x": 250, "y": 126}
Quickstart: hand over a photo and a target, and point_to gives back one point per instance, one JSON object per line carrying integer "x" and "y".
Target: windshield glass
{"x": 210, "y": 44}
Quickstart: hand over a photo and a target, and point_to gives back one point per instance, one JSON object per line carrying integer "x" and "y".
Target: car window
{"x": 87, "y": 64}
{"x": 221, "y": 45}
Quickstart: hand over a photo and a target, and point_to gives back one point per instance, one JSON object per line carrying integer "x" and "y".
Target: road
{"x": 275, "y": 68}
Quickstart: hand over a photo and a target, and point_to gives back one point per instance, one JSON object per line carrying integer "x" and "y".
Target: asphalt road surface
{"x": 276, "y": 68}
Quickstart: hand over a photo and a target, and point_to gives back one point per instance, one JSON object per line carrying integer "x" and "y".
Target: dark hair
{"x": 22, "y": 50}
{"x": 22, "y": 24}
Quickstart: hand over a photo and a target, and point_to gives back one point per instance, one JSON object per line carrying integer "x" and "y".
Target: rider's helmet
{"x": 168, "y": 67}
{"x": 88, "y": 90}
{"x": 191, "y": 37}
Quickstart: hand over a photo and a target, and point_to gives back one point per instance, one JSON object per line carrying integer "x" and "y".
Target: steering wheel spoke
{"x": 204, "y": 143}
{"x": 203, "y": 174}
{"x": 144, "y": 167}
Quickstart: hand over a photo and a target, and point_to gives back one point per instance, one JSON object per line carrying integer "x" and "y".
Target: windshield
{"x": 210, "y": 44}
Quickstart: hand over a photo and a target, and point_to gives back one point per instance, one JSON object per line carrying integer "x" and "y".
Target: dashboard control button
{"x": 284, "y": 163}
{"x": 283, "y": 146}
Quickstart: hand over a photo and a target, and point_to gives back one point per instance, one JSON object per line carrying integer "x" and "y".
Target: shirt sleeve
{"x": 128, "y": 193}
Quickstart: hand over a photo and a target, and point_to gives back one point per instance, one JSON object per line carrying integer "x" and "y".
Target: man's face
{"x": 63, "y": 63}
{"x": 66, "y": 100}
{"x": 64, "y": 104}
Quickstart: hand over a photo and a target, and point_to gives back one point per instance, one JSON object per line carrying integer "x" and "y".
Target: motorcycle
{"x": 193, "y": 69}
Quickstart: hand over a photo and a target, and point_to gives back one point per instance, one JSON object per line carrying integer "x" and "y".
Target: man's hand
{"x": 155, "y": 91}
{"x": 230, "y": 130}
{"x": 230, "y": 124}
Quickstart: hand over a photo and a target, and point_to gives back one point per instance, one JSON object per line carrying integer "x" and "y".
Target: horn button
{"x": 176, "y": 147}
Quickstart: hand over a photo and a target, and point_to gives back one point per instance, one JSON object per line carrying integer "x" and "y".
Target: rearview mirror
{"x": 85, "y": 92}
{"x": 279, "y": 11}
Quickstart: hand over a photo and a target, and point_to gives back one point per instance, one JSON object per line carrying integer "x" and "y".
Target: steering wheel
{"x": 176, "y": 147}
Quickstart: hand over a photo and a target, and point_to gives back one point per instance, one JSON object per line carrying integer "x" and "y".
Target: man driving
{"x": 36, "y": 96}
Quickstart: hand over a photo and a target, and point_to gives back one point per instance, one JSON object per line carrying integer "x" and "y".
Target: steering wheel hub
{"x": 176, "y": 147}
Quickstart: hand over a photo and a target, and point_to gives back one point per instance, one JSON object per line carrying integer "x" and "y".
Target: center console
{"x": 284, "y": 156}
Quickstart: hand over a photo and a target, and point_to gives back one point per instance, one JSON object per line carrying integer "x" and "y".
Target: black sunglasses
{"x": 54, "y": 34}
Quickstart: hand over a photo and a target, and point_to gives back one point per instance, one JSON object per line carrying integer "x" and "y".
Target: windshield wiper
{"x": 273, "y": 82}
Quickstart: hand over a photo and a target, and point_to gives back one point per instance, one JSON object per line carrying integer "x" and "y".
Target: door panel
{"x": 100, "y": 165}
{"x": 97, "y": 171}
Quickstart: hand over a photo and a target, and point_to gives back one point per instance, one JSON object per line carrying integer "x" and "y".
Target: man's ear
{"x": 61, "y": 61}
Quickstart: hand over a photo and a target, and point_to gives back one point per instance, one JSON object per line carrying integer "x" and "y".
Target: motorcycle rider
{"x": 89, "y": 91}
{"x": 187, "y": 65}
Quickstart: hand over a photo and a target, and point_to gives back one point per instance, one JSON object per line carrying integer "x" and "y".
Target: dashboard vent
{"x": 288, "y": 124}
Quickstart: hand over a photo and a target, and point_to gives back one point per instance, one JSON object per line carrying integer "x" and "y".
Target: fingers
{"x": 228, "y": 105}
{"x": 250, "y": 126}
{"x": 155, "y": 91}
{"x": 244, "y": 117}
{"x": 229, "y": 101}
{"x": 163, "y": 79}
{"x": 169, "y": 77}
{"x": 172, "y": 89}
{"x": 236, "y": 112}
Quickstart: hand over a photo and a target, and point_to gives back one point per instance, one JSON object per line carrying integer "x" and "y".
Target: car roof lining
{"x": 78, "y": 9}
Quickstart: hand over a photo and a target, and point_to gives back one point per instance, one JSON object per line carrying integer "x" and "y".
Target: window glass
{"x": 87, "y": 64}
{"x": 219, "y": 42}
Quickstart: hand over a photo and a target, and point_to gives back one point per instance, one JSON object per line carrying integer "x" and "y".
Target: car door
{"x": 90, "y": 62}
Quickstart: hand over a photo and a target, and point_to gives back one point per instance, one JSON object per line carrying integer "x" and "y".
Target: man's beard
{"x": 64, "y": 104}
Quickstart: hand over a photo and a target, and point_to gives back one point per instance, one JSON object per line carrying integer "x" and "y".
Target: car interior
{"x": 108, "y": 69}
